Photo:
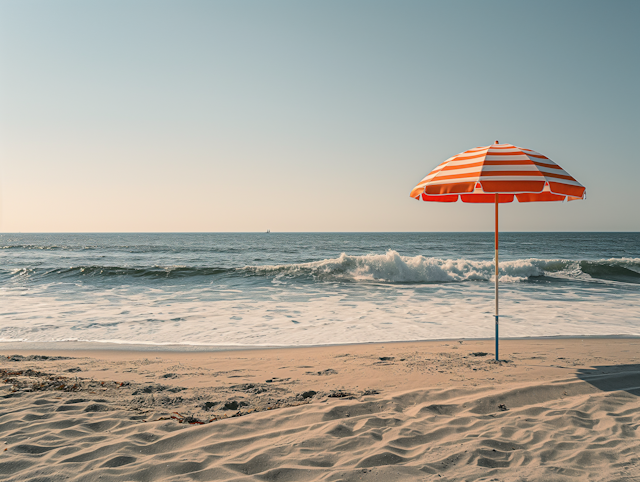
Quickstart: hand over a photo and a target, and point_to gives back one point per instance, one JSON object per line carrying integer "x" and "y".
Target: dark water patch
{"x": 611, "y": 272}
{"x": 152, "y": 272}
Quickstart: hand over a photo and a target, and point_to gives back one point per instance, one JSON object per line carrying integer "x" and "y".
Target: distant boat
{"x": 268, "y": 231}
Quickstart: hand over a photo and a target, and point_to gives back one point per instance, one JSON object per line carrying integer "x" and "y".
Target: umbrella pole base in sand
{"x": 497, "y": 359}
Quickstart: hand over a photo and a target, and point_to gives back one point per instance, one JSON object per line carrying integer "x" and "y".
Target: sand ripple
{"x": 571, "y": 429}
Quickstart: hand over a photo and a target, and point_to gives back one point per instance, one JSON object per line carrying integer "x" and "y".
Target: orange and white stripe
{"x": 478, "y": 174}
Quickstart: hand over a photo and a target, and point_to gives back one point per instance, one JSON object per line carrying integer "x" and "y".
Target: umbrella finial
{"x": 497, "y": 142}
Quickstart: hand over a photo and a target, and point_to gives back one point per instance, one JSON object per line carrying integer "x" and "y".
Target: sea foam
{"x": 394, "y": 268}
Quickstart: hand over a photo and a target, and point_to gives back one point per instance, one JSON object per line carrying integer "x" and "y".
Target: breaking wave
{"x": 394, "y": 268}
{"x": 390, "y": 267}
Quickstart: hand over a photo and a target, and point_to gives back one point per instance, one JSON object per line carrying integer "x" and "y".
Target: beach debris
{"x": 156, "y": 388}
{"x": 254, "y": 388}
{"x": 328, "y": 371}
{"x": 339, "y": 394}
{"x": 502, "y": 407}
{"x": 19, "y": 358}
{"x": 208, "y": 405}
{"x": 43, "y": 381}
{"x": 26, "y": 373}
{"x": 492, "y": 361}
{"x": 194, "y": 407}
{"x": 234, "y": 405}
{"x": 276, "y": 379}
{"x": 188, "y": 419}
{"x": 370, "y": 391}
{"x": 479, "y": 353}
{"x": 73, "y": 370}
{"x": 387, "y": 358}
{"x": 231, "y": 405}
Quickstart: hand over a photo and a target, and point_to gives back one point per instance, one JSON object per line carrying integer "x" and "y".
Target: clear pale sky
{"x": 308, "y": 116}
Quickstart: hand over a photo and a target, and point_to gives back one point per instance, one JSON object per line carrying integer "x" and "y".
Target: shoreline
{"x": 188, "y": 348}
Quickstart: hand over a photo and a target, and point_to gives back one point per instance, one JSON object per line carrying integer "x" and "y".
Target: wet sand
{"x": 553, "y": 409}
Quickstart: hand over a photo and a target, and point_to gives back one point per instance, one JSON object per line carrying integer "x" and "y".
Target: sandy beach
{"x": 279, "y": 241}
{"x": 554, "y": 409}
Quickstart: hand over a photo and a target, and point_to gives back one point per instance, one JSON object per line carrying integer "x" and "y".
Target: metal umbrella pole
{"x": 497, "y": 270}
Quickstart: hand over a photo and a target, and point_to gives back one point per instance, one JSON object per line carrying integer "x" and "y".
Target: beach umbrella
{"x": 497, "y": 174}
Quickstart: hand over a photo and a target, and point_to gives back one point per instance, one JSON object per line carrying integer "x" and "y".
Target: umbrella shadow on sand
{"x": 613, "y": 378}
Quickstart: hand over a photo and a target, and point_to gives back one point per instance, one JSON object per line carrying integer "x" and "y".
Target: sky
{"x": 240, "y": 116}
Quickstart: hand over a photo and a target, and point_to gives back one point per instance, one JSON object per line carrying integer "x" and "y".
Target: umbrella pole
{"x": 496, "y": 238}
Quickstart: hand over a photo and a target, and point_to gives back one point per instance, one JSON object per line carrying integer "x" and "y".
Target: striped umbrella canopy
{"x": 497, "y": 174}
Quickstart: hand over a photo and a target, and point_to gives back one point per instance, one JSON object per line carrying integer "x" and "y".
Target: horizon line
{"x": 300, "y": 232}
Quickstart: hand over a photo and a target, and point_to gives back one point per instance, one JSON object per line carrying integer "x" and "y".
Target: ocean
{"x": 288, "y": 289}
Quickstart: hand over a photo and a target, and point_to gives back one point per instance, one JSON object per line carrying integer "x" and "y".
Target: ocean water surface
{"x": 307, "y": 289}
